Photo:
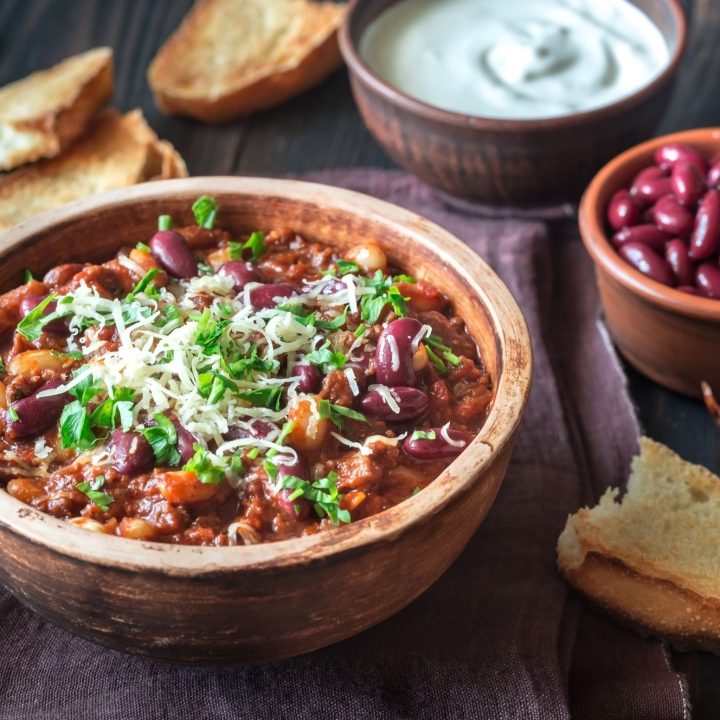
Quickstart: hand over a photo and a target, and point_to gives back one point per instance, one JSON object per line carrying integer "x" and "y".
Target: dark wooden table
{"x": 322, "y": 129}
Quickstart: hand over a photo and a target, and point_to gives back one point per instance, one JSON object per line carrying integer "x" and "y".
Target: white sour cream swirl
{"x": 515, "y": 59}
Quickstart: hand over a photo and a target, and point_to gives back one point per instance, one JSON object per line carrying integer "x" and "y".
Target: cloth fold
{"x": 499, "y": 635}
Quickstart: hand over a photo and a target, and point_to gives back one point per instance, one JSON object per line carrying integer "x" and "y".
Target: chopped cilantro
{"x": 255, "y": 244}
{"x": 334, "y": 324}
{"x": 93, "y": 492}
{"x": 205, "y": 210}
{"x": 31, "y": 326}
{"x": 271, "y": 469}
{"x": 269, "y": 397}
{"x": 212, "y": 385}
{"x": 326, "y": 358}
{"x": 209, "y": 469}
{"x": 405, "y": 279}
{"x": 210, "y": 332}
{"x": 423, "y": 435}
{"x": 27, "y": 276}
{"x": 142, "y": 286}
{"x": 322, "y": 493}
{"x": 337, "y": 413}
{"x": 205, "y": 269}
{"x": 76, "y": 427}
{"x": 163, "y": 440}
{"x": 287, "y": 428}
{"x": 235, "y": 250}
{"x": 345, "y": 267}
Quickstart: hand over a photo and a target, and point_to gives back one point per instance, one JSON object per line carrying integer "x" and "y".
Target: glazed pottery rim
{"x": 511, "y": 393}
{"x": 591, "y": 219}
{"x": 358, "y": 66}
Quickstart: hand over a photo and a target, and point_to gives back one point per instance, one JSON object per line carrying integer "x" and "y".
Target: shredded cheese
{"x": 444, "y": 431}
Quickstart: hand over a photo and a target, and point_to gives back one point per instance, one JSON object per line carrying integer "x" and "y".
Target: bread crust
{"x": 258, "y": 90}
{"x": 26, "y": 139}
{"x": 117, "y": 151}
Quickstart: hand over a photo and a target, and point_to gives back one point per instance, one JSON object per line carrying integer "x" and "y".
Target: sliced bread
{"x": 118, "y": 150}
{"x": 652, "y": 557}
{"x": 230, "y": 58}
{"x": 45, "y": 112}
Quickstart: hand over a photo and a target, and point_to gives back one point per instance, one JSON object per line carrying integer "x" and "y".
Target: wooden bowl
{"x": 274, "y": 600}
{"x": 668, "y": 335}
{"x": 506, "y": 161}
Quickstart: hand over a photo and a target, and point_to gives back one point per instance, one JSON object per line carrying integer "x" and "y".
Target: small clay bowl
{"x": 668, "y": 335}
{"x": 524, "y": 162}
{"x": 269, "y": 601}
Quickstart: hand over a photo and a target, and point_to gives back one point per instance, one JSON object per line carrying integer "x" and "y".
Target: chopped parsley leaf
{"x": 31, "y": 326}
{"x": 334, "y": 324}
{"x": 205, "y": 210}
{"x": 322, "y": 493}
{"x": 423, "y": 435}
{"x": 269, "y": 397}
{"x": 163, "y": 440}
{"x": 76, "y": 427}
{"x": 255, "y": 244}
{"x": 326, "y": 358}
{"x": 209, "y": 469}
{"x": 93, "y": 492}
{"x": 337, "y": 413}
{"x": 345, "y": 267}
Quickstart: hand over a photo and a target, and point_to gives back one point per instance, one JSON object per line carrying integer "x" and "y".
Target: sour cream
{"x": 518, "y": 59}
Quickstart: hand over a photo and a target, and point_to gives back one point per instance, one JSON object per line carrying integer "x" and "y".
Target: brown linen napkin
{"x": 499, "y": 635}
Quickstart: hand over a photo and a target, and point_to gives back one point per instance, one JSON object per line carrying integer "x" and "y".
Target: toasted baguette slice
{"x": 46, "y": 111}
{"x": 232, "y": 57}
{"x": 117, "y": 151}
{"x": 653, "y": 558}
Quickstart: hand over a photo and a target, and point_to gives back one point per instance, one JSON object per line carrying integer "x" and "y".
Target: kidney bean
{"x": 713, "y": 174}
{"x": 707, "y": 280}
{"x": 426, "y": 449}
{"x": 676, "y": 255}
{"x": 412, "y": 402}
{"x": 265, "y": 296}
{"x": 258, "y": 429}
{"x": 394, "y": 354}
{"x": 646, "y": 234}
{"x": 650, "y": 185}
{"x": 298, "y": 468}
{"x": 131, "y": 452}
{"x": 647, "y": 261}
{"x": 241, "y": 273}
{"x": 668, "y": 155}
{"x": 171, "y": 250}
{"x": 31, "y": 301}
{"x": 687, "y": 183}
{"x": 310, "y": 377}
{"x": 623, "y": 210}
{"x": 37, "y": 414}
{"x": 706, "y": 233}
{"x": 672, "y": 217}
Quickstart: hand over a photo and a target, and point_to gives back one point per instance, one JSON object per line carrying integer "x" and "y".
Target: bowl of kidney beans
{"x": 650, "y": 220}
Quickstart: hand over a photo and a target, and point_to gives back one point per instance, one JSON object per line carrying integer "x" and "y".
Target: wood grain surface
{"x": 322, "y": 129}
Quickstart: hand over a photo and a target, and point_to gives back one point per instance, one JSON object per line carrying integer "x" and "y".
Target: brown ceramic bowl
{"x": 506, "y": 161}
{"x": 269, "y": 601}
{"x": 668, "y": 335}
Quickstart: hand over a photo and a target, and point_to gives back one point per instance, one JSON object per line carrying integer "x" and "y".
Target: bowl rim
{"x": 357, "y": 66}
{"x": 591, "y": 220}
{"x": 511, "y": 394}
